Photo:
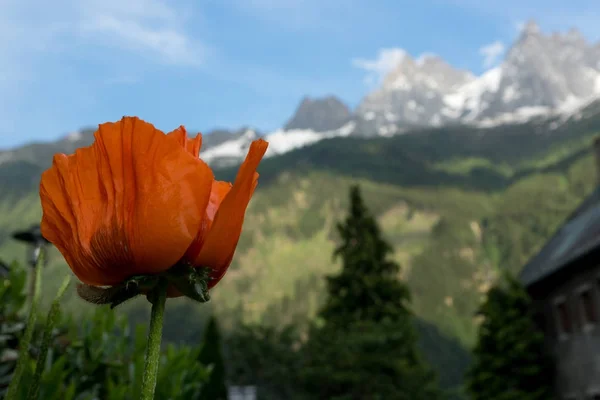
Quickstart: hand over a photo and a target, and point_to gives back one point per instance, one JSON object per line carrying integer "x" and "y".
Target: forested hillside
{"x": 456, "y": 203}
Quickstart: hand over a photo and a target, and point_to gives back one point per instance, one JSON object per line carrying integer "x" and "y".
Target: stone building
{"x": 563, "y": 280}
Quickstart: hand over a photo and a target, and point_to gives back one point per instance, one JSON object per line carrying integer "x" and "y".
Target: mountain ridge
{"x": 542, "y": 76}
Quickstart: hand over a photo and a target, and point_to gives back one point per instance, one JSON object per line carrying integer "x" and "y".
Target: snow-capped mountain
{"x": 412, "y": 94}
{"x": 314, "y": 120}
{"x": 227, "y": 152}
{"x": 219, "y": 136}
{"x": 542, "y": 75}
{"x": 281, "y": 141}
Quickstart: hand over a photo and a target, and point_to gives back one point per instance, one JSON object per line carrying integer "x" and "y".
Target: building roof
{"x": 579, "y": 235}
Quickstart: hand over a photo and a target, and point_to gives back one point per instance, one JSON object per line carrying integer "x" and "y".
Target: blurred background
{"x": 468, "y": 126}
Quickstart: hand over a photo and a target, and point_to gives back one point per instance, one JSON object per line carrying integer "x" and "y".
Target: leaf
{"x": 53, "y": 316}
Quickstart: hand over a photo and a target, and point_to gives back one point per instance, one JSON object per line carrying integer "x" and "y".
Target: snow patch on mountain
{"x": 280, "y": 141}
{"x": 230, "y": 152}
{"x": 470, "y": 100}
{"x": 74, "y": 136}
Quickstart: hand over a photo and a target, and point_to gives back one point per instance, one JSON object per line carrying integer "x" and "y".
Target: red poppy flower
{"x": 138, "y": 202}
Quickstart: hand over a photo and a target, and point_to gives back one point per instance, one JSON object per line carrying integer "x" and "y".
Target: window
{"x": 565, "y": 325}
{"x": 588, "y": 308}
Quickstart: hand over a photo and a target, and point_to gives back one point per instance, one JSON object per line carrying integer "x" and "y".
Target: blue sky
{"x": 65, "y": 64}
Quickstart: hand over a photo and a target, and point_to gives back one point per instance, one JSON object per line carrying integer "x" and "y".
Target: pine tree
{"x": 510, "y": 361}
{"x": 366, "y": 347}
{"x": 211, "y": 354}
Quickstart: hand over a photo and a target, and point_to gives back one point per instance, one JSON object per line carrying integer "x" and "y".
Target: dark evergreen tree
{"x": 211, "y": 355}
{"x": 366, "y": 346}
{"x": 510, "y": 361}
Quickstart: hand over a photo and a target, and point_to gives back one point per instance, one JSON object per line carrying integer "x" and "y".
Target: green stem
{"x": 25, "y": 341}
{"x": 158, "y": 299}
{"x": 53, "y": 316}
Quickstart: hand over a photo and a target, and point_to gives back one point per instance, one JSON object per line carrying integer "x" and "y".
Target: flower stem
{"x": 158, "y": 299}
{"x": 53, "y": 316}
{"x": 13, "y": 388}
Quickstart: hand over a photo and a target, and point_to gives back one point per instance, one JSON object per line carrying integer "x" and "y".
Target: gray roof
{"x": 577, "y": 237}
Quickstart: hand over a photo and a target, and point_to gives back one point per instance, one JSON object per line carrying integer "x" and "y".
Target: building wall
{"x": 576, "y": 350}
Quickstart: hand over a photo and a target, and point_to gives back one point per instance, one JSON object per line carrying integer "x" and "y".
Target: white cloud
{"x": 377, "y": 69}
{"x": 170, "y": 46}
{"x": 491, "y": 53}
{"x": 146, "y": 26}
{"x": 45, "y": 42}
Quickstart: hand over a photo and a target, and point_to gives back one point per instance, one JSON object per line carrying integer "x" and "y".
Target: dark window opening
{"x": 564, "y": 319}
{"x": 590, "y": 314}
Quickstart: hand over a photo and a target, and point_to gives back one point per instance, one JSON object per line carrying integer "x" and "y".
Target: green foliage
{"x": 92, "y": 357}
{"x": 367, "y": 360}
{"x": 366, "y": 347}
{"x": 450, "y": 264}
{"x": 366, "y": 288}
{"x": 268, "y": 357}
{"x": 211, "y": 356}
{"x": 106, "y": 358}
{"x": 47, "y": 338}
{"x": 510, "y": 357}
{"x": 12, "y": 323}
{"x": 449, "y": 357}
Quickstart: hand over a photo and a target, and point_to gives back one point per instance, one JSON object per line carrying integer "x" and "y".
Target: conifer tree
{"x": 211, "y": 354}
{"x": 510, "y": 361}
{"x": 366, "y": 347}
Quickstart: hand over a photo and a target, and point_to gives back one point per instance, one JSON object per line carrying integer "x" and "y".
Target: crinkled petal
{"x": 217, "y": 194}
{"x": 191, "y": 145}
{"x": 129, "y": 204}
{"x": 222, "y": 238}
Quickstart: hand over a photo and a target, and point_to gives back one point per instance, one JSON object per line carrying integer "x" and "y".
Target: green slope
{"x": 456, "y": 204}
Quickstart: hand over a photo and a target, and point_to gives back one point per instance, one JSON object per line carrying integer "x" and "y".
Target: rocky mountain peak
{"x": 412, "y": 94}
{"x": 546, "y": 72}
{"x": 320, "y": 115}
{"x": 541, "y": 73}
{"x": 429, "y": 71}
{"x": 530, "y": 28}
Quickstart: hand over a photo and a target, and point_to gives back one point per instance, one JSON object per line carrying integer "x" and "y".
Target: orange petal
{"x": 191, "y": 145}
{"x": 129, "y": 204}
{"x": 217, "y": 194}
{"x": 221, "y": 240}
{"x": 219, "y": 191}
